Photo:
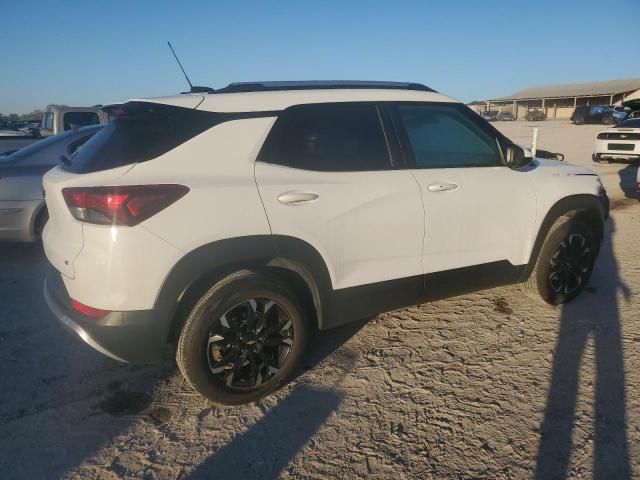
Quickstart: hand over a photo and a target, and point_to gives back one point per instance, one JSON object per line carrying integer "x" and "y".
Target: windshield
{"x": 632, "y": 123}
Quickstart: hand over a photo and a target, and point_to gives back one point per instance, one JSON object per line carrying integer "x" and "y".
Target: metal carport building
{"x": 559, "y": 101}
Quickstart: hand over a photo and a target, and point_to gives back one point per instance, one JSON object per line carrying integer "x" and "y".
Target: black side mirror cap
{"x": 516, "y": 157}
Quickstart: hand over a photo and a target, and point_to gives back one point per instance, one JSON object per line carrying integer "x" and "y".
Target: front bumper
{"x": 122, "y": 336}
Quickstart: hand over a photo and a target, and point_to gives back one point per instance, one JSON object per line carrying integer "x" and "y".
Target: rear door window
{"x": 332, "y": 137}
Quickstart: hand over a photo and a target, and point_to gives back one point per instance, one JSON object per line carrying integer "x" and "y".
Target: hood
{"x": 562, "y": 168}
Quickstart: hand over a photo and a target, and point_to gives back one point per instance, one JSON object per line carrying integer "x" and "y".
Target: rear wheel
{"x": 243, "y": 339}
{"x": 607, "y": 120}
{"x": 565, "y": 263}
{"x": 578, "y": 120}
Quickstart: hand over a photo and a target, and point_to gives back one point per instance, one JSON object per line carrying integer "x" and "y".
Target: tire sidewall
{"x": 548, "y": 251}
{"x": 202, "y": 319}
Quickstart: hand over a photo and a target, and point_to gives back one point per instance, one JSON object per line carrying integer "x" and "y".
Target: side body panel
{"x": 489, "y": 217}
{"x": 368, "y": 226}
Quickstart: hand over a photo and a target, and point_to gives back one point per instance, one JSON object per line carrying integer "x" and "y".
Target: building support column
{"x": 611, "y": 100}
{"x": 515, "y": 110}
{"x": 575, "y": 102}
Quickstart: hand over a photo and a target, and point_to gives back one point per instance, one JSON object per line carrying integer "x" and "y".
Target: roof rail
{"x": 242, "y": 87}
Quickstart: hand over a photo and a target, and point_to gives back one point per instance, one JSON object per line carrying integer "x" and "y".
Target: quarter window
{"x": 332, "y": 137}
{"x": 445, "y": 137}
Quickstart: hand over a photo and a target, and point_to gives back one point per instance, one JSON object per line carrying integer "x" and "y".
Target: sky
{"x": 83, "y": 53}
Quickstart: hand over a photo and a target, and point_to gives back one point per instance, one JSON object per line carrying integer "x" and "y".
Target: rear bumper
{"x": 135, "y": 336}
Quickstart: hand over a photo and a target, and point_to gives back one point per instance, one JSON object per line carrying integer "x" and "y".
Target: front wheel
{"x": 565, "y": 263}
{"x": 243, "y": 339}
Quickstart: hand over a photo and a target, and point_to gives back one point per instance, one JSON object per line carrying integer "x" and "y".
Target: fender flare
{"x": 210, "y": 262}
{"x": 580, "y": 204}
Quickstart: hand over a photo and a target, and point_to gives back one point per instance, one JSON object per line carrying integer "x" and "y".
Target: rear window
{"x": 74, "y": 120}
{"x": 140, "y": 132}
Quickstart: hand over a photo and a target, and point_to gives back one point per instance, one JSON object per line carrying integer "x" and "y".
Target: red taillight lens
{"x": 126, "y": 205}
{"x": 88, "y": 311}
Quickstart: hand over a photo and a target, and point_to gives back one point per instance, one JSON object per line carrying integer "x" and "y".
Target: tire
{"x": 232, "y": 364}
{"x": 606, "y": 120}
{"x": 596, "y": 157}
{"x": 578, "y": 120}
{"x": 558, "y": 281}
{"x": 41, "y": 220}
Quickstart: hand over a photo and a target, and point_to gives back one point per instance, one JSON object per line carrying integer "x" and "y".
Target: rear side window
{"x": 446, "y": 136}
{"x": 332, "y": 137}
{"x": 140, "y": 132}
{"x": 73, "y": 120}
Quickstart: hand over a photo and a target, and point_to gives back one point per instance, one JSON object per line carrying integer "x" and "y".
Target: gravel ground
{"x": 490, "y": 385}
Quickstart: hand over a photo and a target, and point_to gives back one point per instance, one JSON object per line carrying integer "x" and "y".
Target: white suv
{"x": 225, "y": 225}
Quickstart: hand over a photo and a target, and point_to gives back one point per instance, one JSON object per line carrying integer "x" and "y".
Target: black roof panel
{"x": 241, "y": 87}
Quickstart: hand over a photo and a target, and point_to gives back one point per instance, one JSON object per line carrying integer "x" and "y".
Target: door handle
{"x": 441, "y": 187}
{"x": 297, "y": 198}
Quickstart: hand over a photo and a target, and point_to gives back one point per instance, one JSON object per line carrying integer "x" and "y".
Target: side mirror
{"x": 516, "y": 157}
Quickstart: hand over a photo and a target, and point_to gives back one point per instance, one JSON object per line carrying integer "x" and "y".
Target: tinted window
{"x": 446, "y": 136}
{"x": 80, "y": 119}
{"x": 632, "y": 123}
{"x": 140, "y": 132}
{"x": 333, "y": 137}
{"x": 596, "y": 110}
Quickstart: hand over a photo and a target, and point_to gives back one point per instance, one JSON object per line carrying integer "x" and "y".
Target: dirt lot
{"x": 490, "y": 385}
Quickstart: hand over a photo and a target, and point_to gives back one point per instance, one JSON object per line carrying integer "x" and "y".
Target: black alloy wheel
{"x": 571, "y": 264}
{"x": 250, "y": 343}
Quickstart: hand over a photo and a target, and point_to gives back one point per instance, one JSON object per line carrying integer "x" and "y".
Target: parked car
{"x": 621, "y": 142}
{"x": 535, "y": 115}
{"x": 60, "y": 119}
{"x": 490, "y": 115}
{"x": 223, "y": 226}
{"x": 8, "y": 130}
{"x": 597, "y": 114}
{"x": 506, "y": 117}
{"x": 22, "y": 208}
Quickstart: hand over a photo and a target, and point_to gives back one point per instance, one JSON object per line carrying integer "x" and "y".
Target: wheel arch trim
{"x": 580, "y": 204}
{"x": 212, "y": 261}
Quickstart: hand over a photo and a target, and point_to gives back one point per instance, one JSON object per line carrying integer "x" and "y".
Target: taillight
{"x": 126, "y": 205}
{"x": 88, "y": 311}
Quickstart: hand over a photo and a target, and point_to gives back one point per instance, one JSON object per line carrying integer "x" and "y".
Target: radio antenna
{"x": 180, "y": 65}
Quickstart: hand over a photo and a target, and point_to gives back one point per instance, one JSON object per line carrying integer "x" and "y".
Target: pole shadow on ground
{"x": 590, "y": 315}
{"x": 628, "y": 181}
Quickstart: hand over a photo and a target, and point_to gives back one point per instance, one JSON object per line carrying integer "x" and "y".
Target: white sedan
{"x": 621, "y": 142}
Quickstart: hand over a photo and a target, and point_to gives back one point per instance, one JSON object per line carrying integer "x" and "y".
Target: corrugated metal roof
{"x": 607, "y": 87}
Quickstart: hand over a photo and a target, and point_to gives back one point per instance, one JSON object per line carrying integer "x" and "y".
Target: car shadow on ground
{"x": 268, "y": 446}
{"x": 589, "y": 316}
{"x": 61, "y": 402}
